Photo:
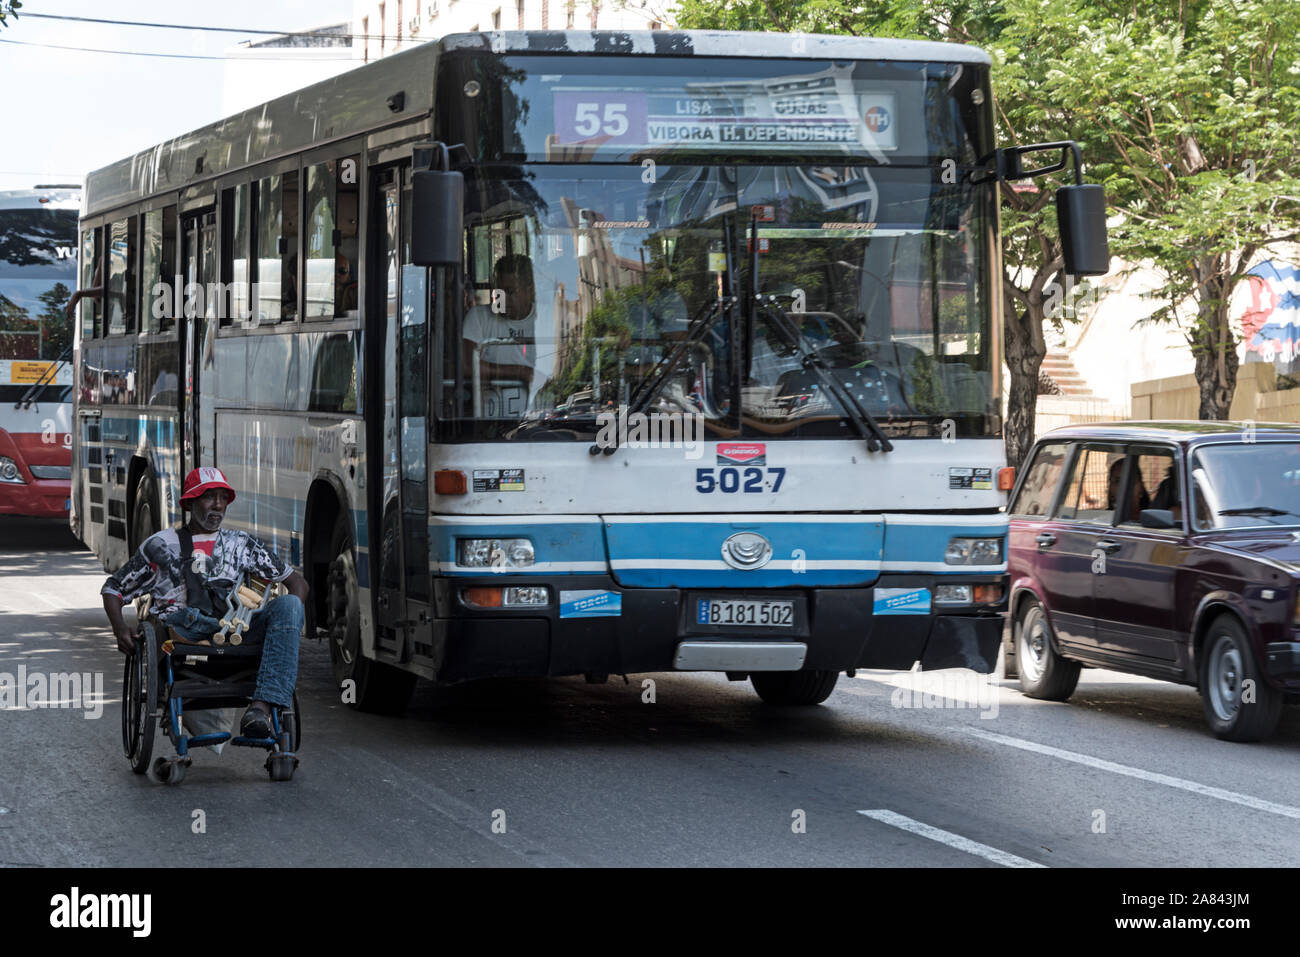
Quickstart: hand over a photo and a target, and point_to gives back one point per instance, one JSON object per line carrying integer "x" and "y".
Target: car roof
{"x": 1187, "y": 432}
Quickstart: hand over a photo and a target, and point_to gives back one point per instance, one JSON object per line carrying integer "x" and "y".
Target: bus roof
{"x": 358, "y": 101}
{"x": 792, "y": 46}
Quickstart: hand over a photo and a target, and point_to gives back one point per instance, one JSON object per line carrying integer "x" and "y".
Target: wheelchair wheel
{"x": 140, "y": 700}
{"x": 292, "y": 723}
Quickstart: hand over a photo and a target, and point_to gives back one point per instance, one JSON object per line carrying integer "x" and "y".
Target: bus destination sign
{"x": 759, "y": 119}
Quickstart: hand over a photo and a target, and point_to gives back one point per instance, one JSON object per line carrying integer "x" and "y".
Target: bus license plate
{"x": 714, "y": 611}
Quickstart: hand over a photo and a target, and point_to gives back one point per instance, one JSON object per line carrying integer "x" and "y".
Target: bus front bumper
{"x": 593, "y": 627}
{"x": 38, "y": 498}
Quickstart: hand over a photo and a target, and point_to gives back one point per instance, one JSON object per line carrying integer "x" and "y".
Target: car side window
{"x": 1094, "y": 486}
{"x": 1153, "y": 483}
{"x": 1041, "y": 480}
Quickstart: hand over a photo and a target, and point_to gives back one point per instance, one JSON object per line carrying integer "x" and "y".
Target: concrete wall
{"x": 1257, "y": 397}
{"x": 1054, "y": 411}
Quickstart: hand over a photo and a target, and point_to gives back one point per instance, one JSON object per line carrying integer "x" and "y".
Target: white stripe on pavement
{"x": 949, "y": 838}
{"x": 1259, "y": 804}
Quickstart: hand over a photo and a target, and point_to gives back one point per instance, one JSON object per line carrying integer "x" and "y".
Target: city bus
{"x": 38, "y": 274}
{"x": 581, "y": 354}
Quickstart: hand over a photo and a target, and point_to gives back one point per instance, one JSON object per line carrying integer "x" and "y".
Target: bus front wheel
{"x": 794, "y": 687}
{"x": 366, "y": 684}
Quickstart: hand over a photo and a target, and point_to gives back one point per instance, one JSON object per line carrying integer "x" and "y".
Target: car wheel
{"x": 368, "y": 685}
{"x": 1240, "y": 705}
{"x": 1043, "y": 673}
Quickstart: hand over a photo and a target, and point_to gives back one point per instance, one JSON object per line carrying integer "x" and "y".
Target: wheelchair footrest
{"x": 204, "y": 740}
{"x": 243, "y": 742}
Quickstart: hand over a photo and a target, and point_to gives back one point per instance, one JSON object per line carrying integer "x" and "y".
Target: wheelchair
{"x": 166, "y": 676}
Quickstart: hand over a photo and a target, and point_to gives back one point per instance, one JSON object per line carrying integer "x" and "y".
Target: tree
{"x": 1198, "y": 99}
{"x": 1025, "y": 39}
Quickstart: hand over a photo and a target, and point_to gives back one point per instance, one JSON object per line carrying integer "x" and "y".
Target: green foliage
{"x": 1187, "y": 111}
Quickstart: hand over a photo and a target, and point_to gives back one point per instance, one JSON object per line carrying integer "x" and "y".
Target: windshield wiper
{"x": 653, "y": 384}
{"x": 1256, "y": 511}
{"x": 48, "y": 376}
{"x": 868, "y": 428}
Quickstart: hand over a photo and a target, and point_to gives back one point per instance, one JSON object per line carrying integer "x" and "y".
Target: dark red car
{"x": 1111, "y": 567}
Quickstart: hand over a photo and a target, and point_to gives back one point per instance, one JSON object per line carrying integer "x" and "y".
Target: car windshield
{"x": 583, "y": 284}
{"x": 756, "y": 243}
{"x": 38, "y": 272}
{"x": 1246, "y": 485}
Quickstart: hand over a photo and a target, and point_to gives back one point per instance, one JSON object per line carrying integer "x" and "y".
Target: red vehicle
{"x": 38, "y": 273}
{"x": 1108, "y": 568}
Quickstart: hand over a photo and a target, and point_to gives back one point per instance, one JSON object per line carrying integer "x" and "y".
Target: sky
{"x": 64, "y": 113}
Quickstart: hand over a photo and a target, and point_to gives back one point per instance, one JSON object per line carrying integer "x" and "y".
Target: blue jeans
{"x": 277, "y": 628}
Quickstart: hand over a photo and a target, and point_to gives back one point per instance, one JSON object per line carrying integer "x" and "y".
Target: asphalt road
{"x": 559, "y": 772}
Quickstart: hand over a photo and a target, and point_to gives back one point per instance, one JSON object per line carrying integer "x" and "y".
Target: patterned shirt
{"x": 218, "y": 558}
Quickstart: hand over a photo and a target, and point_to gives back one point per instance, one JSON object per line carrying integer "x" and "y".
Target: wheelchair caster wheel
{"x": 281, "y": 766}
{"x": 169, "y": 771}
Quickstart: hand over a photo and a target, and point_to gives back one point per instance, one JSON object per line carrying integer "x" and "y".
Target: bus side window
{"x": 167, "y": 266}
{"x": 277, "y": 247}
{"x": 91, "y": 276}
{"x": 234, "y": 253}
{"x": 120, "y": 294}
{"x": 330, "y": 238}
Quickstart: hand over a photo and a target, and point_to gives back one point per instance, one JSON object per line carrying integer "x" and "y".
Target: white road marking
{"x": 1258, "y": 804}
{"x": 952, "y": 840}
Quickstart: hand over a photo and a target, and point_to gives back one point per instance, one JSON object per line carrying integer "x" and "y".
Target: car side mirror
{"x": 437, "y": 218}
{"x": 1156, "y": 518}
{"x": 1081, "y": 218}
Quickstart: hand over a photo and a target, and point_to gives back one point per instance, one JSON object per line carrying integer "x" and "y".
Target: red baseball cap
{"x": 201, "y": 480}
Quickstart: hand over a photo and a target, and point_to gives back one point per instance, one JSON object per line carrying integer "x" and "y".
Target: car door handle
{"x": 1109, "y": 547}
{"x": 1045, "y": 539}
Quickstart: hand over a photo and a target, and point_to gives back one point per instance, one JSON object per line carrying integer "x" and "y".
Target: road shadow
{"x": 18, "y": 534}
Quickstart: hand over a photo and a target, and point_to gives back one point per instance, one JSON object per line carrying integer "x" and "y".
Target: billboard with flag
{"x": 1271, "y": 323}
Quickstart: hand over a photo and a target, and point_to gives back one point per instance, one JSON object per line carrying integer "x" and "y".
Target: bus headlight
{"x": 9, "y": 471}
{"x": 973, "y": 551}
{"x": 985, "y": 594}
{"x": 494, "y": 552}
{"x": 515, "y": 596}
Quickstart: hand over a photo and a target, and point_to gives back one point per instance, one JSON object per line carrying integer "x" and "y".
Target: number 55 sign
{"x": 603, "y": 117}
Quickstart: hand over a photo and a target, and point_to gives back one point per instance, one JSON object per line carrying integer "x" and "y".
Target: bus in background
{"x": 38, "y": 274}
{"x": 582, "y": 354}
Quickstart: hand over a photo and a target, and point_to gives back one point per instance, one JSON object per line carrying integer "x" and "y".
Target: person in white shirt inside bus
{"x": 189, "y": 596}
{"x": 506, "y": 367}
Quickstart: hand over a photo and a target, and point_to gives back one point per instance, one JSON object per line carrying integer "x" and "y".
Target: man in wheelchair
{"x": 190, "y": 574}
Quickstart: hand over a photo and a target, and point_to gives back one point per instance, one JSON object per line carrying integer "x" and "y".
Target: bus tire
{"x": 786, "y": 688}
{"x": 145, "y": 516}
{"x": 367, "y": 685}
{"x": 1043, "y": 673}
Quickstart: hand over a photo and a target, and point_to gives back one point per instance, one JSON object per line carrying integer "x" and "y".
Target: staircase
{"x": 1058, "y": 367}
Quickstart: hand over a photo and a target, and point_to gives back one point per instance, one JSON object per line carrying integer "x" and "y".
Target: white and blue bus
{"x": 581, "y": 354}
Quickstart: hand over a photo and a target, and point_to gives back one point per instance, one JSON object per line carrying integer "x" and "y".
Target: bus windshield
{"x": 586, "y": 280}
{"x": 38, "y": 272}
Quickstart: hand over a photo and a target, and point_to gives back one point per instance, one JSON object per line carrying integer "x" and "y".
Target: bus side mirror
{"x": 1081, "y": 217}
{"x": 437, "y": 218}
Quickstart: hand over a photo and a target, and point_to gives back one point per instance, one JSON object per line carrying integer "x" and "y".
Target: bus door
{"x": 399, "y": 301}
{"x": 199, "y": 263}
